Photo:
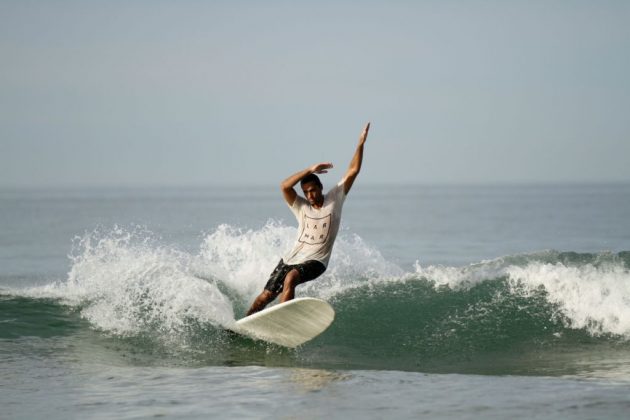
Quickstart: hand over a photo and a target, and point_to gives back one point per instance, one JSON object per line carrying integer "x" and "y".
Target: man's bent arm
{"x": 355, "y": 163}
{"x": 287, "y": 185}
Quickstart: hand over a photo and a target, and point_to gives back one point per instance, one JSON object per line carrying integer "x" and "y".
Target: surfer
{"x": 319, "y": 216}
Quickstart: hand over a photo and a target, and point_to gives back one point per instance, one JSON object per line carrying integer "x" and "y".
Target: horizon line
{"x": 103, "y": 186}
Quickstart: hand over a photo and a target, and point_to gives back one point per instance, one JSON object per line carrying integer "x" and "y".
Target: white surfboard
{"x": 288, "y": 324}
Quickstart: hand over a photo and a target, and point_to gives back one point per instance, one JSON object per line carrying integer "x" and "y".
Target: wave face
{"x": 516, "y": 314}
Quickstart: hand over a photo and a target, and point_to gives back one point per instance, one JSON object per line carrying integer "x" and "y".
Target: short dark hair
{"x": 311, "y": 178}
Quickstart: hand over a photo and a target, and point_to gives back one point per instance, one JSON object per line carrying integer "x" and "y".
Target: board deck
{"x": 288, "y": 324}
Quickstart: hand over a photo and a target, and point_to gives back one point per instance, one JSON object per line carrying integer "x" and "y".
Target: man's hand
{"x": 287, "y": 185}
{"x": 321, "y": 168}
{"x": 364, "y": 134}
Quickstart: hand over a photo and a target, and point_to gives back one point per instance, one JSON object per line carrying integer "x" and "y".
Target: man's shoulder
{"x": 298, "y": 203}
{"x": 337, "y": 191}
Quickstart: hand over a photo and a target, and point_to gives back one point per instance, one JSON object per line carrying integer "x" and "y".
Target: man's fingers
{"x": 324, "y": 166}
{"x": 320, "y": 168}
{"x": 364, "y": 134}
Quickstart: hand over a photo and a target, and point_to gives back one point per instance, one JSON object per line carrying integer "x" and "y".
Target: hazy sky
{"x": 235, "y": 92}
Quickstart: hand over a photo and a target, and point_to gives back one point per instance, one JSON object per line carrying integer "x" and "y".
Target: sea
{"x": 451, "y": 301}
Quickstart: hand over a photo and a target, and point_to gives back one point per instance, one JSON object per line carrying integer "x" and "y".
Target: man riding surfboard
{"x": 319, "y": 216}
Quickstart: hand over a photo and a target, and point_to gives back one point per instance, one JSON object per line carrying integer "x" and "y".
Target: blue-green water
{"x": 451, "y": 302}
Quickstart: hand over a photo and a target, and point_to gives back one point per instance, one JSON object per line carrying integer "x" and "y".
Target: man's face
{"x": 313, "y": 194}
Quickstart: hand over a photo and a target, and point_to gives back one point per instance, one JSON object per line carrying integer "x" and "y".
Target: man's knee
{"x": 292, "y": 279}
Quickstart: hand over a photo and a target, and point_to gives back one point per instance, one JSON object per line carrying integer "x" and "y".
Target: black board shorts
{"x": 308, "y": 270}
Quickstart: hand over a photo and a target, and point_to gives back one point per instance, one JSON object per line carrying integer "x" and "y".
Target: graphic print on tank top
{"x": 315, "y": 230}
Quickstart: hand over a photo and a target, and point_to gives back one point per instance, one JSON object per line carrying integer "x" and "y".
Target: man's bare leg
{"x": 261, "y": 301}
{"x": 288, "y": 292}
{"x": 288, "y": 289}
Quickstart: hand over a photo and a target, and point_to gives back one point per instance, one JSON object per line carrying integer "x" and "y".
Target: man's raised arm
{"x": 355, "y": 163}
{"x": 287, "y": 185}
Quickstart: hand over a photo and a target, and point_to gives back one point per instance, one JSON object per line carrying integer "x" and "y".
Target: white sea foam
{"x": 595, "y": 297}
{"x": 125, "y": 281}
{"x": 241, "y": 259}
{"x": 461, "y": 277}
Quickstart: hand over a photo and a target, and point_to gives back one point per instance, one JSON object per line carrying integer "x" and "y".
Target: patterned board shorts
{"x": 309, "y": 270}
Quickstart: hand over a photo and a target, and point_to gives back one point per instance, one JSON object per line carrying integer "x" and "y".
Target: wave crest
{"x": 127, "y": 282}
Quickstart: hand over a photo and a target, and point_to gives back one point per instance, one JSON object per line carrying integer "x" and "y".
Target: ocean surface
{"x": 452, "y": 302}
